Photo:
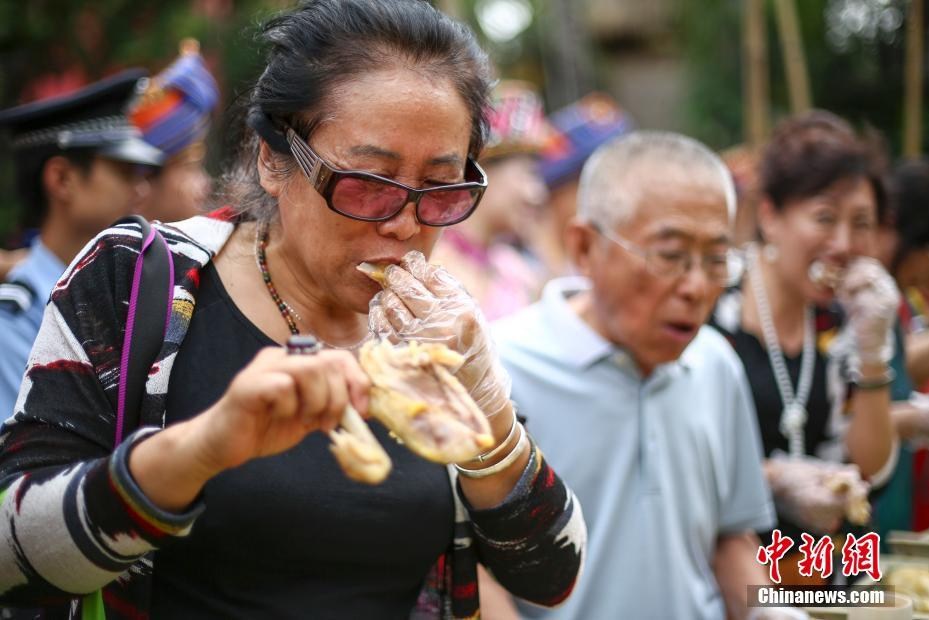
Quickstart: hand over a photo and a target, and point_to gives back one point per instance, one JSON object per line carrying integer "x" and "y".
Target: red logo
{"x": 773, "y": 553}
{"x": 862, "y": 555}
{"x": 816, "y": 557}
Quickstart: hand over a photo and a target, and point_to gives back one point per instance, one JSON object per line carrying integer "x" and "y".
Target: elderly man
{"x": 647, "y": 413}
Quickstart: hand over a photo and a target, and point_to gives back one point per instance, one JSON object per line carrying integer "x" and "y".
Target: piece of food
{"x": 354, "y": 446}
{"x": 356, "y": 449}
{"x": 857, "y": 507}
{"x": 375, "y": 271}
{"x": 911, "y": 580}
{"x": 825, "y": 275}
{"x": 417, "y": 397}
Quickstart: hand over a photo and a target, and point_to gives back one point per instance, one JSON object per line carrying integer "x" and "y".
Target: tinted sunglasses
{"x": 372, "y": 198}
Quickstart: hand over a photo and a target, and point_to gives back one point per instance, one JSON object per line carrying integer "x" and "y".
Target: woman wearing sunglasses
{"x": 360, "y": 144}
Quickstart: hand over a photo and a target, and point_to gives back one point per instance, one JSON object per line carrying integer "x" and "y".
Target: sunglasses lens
{"x": 444, "y": 207}
{"x": 367, "y": 198}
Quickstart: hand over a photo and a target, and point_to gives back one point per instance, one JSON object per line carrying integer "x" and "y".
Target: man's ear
{"x": 59, "y": 177}
{"x": 269, "y": 176}
{"x": 579, "y": 240}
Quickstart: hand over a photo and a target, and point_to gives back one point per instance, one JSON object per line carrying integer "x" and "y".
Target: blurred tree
{"x": 50, "y": 47}
{"x": 855, "y": 51}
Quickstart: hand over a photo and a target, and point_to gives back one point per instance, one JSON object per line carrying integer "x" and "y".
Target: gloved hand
{"x": 424, "y": 302}
{"x": 817, "y": 494}
{"x": 871, "y": 299}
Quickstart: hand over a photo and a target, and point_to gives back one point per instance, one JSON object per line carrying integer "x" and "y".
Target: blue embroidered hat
{"x": 578, "y": 130}
{"x": 174, "y": 110}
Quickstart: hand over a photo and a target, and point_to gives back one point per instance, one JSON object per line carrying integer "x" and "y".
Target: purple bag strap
{"x": 147, "y": 319}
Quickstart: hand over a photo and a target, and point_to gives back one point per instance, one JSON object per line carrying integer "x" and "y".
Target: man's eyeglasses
{"x": 372, "y": 198}
{"x": 723, "y": 268}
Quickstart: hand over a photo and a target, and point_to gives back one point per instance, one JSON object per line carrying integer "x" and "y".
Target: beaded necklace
{"x": 290, "y": 315}
{"x": 261, "y": 244}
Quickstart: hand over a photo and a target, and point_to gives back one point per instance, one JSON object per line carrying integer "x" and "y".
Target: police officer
{"x": 79, "y": 167}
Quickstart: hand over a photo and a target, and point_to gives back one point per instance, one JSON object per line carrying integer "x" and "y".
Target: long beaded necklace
{"x": 290, "y": 315}
{"x": 794, "y": 414}
{"x": 261, "y": 244}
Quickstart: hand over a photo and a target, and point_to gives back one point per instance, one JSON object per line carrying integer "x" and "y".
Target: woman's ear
{"x": 768, "y": 221}
{"x": 579, "y": 239}
{"x": 268, "y": 174}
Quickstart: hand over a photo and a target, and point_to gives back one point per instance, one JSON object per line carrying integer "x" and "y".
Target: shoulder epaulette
{"x": 16, "y": 296}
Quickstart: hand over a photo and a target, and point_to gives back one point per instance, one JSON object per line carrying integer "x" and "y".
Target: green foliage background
{"x": 46, "y": 36}
{"x": 863, "y": 82}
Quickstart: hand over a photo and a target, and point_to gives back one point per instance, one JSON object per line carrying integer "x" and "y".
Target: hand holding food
{"x": 417, "y": 398}
{"x": 817, "y": 494}
{"x": 870, "y": 297}
{"x": 275, "y": 401}
{"x": 415, "y": 395}
{"x": 425, "y": 303}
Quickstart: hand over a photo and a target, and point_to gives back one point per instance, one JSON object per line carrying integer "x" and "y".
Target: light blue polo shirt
{"x": 662, "y": 465}
{"x": 21, "y": 316}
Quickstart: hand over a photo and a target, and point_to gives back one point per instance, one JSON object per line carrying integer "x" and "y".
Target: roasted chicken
{"x": 417, "y": 397}
{"x": 356, "y": 449}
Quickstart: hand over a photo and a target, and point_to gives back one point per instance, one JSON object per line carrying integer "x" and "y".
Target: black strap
{"x": 148, "y": 332}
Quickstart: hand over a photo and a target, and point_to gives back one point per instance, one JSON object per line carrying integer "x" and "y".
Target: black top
{"x": 767, "y": 398}
{"x": 290, "y": 536}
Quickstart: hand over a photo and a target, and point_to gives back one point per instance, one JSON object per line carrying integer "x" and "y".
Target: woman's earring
{"x": 770, "y": 252}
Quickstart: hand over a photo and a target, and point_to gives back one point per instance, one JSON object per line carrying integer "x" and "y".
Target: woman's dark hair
{"x": 323, "y": 44}
{"x": 807, "y": 154}
{"x": 910, "y": 207}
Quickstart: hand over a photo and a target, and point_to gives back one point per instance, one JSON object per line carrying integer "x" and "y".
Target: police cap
{"x": 92, "y": 118}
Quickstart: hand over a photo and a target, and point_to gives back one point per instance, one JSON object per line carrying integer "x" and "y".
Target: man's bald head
{"x": 619, "y": 178}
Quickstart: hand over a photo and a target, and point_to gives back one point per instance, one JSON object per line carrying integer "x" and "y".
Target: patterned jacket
{"x": 77, "y": 535}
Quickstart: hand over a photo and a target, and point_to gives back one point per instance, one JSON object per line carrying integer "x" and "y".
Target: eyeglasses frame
{"x": 645, "y": 255}
{"x": 323, "y": 177}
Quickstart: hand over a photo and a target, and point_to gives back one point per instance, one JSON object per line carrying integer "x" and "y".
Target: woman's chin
{"x": 819, "y": 295}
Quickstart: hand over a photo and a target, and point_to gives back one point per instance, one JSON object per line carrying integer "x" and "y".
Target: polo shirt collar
{"x": 578, "y": 344}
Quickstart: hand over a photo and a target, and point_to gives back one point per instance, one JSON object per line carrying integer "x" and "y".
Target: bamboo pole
{"x": 913, "y": 84}
{"x": 798, "y": 77}
{"x": 755, "y": 112}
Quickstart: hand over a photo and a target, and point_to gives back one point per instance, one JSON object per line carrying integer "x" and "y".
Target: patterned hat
{"x": 174, "y": 110}
{"x": 517, "y": 121}
{"x": 578, "y": 130}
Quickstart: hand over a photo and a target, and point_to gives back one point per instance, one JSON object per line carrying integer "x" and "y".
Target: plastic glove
{"x": 816, "y": 494}
{"x": 871, "y": 299}
{"x": 424, "y": 302}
